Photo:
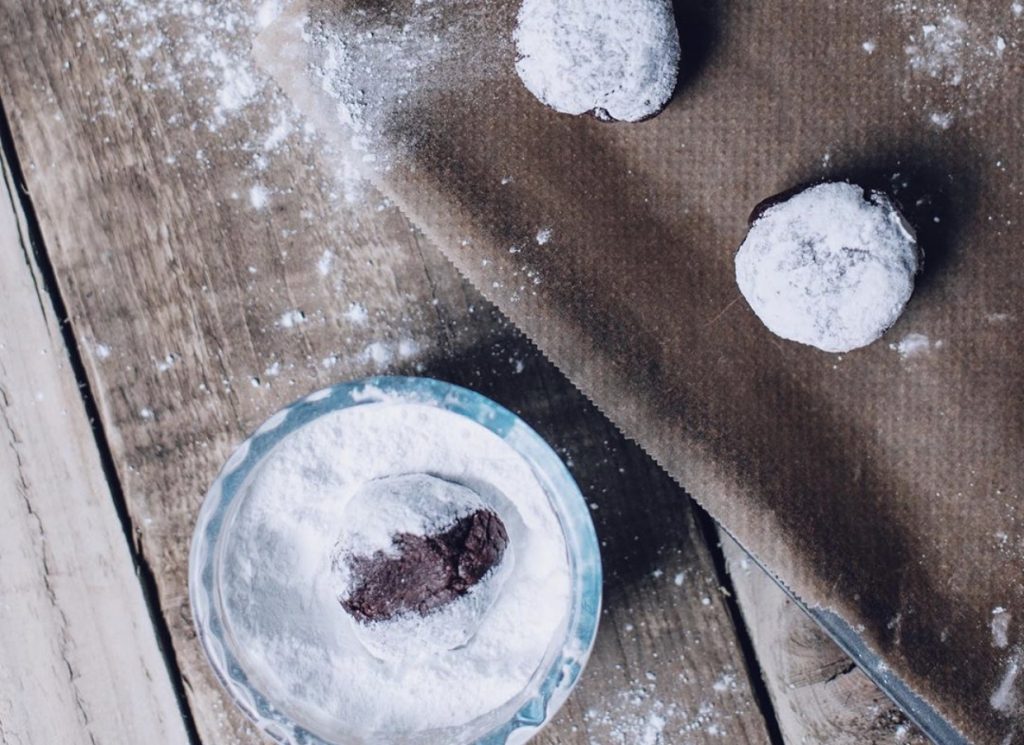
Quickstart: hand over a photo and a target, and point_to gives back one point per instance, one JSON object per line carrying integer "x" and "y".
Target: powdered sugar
{"x": 268, "y": 11}
{"x": 410, "y": 503}
{"x": 281, "y": 594}
{"x": 325, "y": 262}
{"x": 357, "y": 314}
{"x": 1000, "y": 627}
{"x": 1004, "y": 698}
{"x": 412, "y": 52}
{"x": 831, "y": 267}
{"x": 217, "y": 63}
{"x": 956, "y": 53}
{"x": 915, "y": 345}
{"x": 939, "y": 50}
{"x": 616, "y": 58}
{"x": 636, "y": 716}
{"x": 258, "y": 196}
{"x": 941, "y": 119}
{"x": 291, "y": 318}
{"x": 200, "y": 53}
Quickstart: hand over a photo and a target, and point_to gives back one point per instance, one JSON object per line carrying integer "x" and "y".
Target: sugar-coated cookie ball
{"x": 617, "y": 59}
{"x": 832, "y": 266}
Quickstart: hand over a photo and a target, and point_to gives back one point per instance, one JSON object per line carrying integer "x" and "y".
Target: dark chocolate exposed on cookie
{"x": 425, "y": 572}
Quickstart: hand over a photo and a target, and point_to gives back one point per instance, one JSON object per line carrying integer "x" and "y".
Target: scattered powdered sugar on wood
{"x": 638, "y": 715}
{"x": 166, "y": 363}
{"x": 199, "y": 54}
{"x": 102, "y": 351}
{"x": 383, "y": 353}
{"x": 258, "y": 196}
{"x": 213, "y": 65}
{"x": 325, "y": 262}
{"x": 379, "y": 353}
{"x": 291, "y": 318}
{"x": 915, "y": 345}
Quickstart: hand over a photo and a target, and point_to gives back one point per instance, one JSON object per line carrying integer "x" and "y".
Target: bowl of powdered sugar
{"x": 396, "y": 560}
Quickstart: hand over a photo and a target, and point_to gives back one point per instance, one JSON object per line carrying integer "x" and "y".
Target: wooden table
{"x": 176, "y": 265}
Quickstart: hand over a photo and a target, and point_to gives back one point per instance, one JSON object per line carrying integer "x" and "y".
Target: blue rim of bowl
{"x": 564, "y": 670}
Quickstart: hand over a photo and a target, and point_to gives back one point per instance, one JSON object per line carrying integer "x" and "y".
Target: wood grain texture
{"x": 820, "y": 696}
{"x": 79, "y": 660}
{"x": 214, "y": 273}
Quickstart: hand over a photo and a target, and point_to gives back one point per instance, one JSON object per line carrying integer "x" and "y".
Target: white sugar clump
{"x": 616, "y": 58}
{"x": 832, "y": 267}
{"x": 415, "y": 504}
{"x": 280, "y": 581}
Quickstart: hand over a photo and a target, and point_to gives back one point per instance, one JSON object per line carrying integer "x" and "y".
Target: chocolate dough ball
{"x": 832, "y": 266}
{"x": 423, "y": 573}
{"x": 618, "y": 59}
{"x": 419, "y": 562}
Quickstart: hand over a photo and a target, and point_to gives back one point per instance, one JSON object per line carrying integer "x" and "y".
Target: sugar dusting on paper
{"x": 409, "y": 45}
{"x": 939, "y": 50}
{"x": 1004, "y": 698}
{"x": 915, "y": 345}
{"x": 1000, "y": 627}
{"x": 956, "y": 54}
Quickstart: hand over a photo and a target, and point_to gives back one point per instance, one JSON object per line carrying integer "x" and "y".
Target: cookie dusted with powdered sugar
{"x": 617, "y": 59}
{"x": 832, "y": 266}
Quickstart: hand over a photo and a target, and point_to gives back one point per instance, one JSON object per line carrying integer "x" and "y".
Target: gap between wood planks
{"x": 35, "y": 243}
{"x": 709, "y": 529}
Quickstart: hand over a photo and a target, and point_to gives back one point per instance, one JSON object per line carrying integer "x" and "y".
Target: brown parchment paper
{"x": 883, "y": 485}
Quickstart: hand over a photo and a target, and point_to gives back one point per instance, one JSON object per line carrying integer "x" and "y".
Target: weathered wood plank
{"x": 667, "y": 667}
{"x": 214, "y": 272}
{"x": 819, "y": 695}
{"x": 79, "y": 660}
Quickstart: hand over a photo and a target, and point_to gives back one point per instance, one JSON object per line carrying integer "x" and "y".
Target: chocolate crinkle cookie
{"x": 617, "y": 59}
{"x": 832, "y": 266}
